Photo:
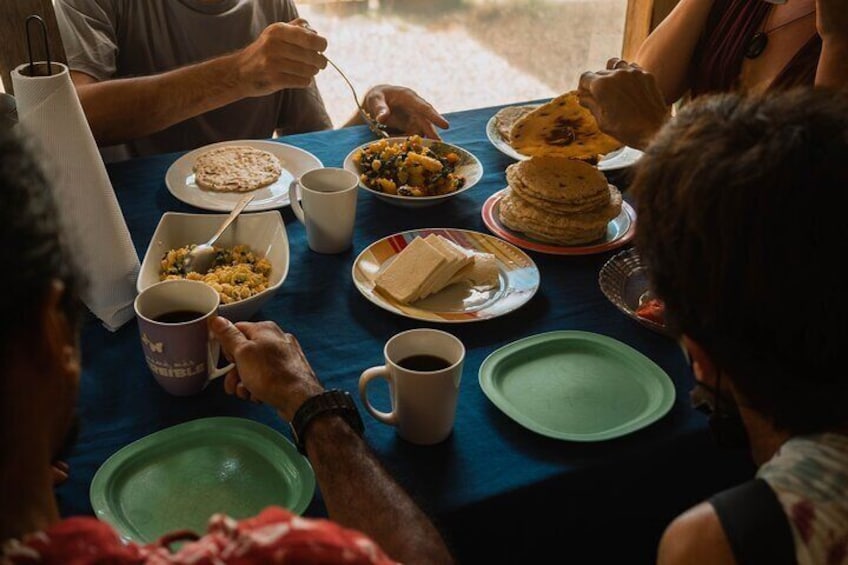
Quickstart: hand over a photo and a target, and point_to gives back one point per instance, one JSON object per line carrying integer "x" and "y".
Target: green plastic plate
{"x": 577, "y": 386}
{"x": 177, "y": 478}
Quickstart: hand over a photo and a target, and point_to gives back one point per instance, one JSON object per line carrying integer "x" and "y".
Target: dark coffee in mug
{"x": 424, "y": 363}
{"x": 178, "y": 316}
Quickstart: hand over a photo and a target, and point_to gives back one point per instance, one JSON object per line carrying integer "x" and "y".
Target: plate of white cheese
{"x": 445, "y": 275}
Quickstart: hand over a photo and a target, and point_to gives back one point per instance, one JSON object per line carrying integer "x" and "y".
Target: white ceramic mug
{"x": 178, "y": 346}
{"x": 423, "y": 369}
{"x": 328, "y": 207}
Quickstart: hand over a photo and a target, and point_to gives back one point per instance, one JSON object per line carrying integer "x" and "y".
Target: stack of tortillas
{"x": 561, "y": 127}
{"x": 558, "y": 200}
{"x": 236, "y": 168}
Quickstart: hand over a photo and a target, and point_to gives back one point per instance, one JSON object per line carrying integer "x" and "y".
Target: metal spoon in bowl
{"x": 201, "y": 257}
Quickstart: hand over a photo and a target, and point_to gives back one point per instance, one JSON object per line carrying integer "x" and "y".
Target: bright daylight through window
{"x": 461, "y": 54}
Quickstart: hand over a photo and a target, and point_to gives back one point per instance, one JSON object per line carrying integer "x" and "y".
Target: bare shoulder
{"x": 696, "y": 536}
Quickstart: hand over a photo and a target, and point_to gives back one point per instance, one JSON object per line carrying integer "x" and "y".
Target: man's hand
{"x": 285, "y": 55}
{"x": 626, "y": 102}
{"x": 59, "y": 470}
{"x": 270, "y": 365}
{"x": 400, "y": 108}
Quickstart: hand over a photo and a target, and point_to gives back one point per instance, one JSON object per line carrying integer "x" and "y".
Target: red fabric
{"x": 273, "y": 536}
{"x": 721, "y": 51}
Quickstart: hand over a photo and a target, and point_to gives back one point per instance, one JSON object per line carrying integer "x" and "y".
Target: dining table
{"x": 499, "y": 491}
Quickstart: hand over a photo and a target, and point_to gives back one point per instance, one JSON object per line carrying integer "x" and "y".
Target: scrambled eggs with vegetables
{"x": 408, "y": 168}
{"x": 236, "y": 274}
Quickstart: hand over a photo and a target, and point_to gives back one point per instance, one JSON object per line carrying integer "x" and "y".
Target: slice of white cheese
{"x": 482, "y": 272}
{"x": 458, "y": 258}
{"x": 404, "y": 277}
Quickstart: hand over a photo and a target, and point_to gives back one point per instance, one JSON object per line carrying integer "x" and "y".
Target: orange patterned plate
{"x": 518, "y": 279}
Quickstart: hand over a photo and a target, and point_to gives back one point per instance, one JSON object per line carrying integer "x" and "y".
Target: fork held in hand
{"x": 376, "y": 127}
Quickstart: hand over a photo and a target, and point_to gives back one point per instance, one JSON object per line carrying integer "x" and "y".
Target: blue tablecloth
{"x": 493, "y": 485}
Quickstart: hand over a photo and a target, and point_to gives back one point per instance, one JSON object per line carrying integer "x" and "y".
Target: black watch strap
{"x": 337, "y": 402}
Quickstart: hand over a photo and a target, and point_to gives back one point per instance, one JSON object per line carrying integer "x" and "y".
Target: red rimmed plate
{"x": 619, "y": 231}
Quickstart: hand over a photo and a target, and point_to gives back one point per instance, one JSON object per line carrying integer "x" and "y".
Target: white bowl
{"x": 263, "y": 232}
{"x": 469, "y": 167}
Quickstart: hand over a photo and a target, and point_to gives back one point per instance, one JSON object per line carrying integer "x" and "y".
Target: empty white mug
{"x": 423, "y": 369}
{"x": 328, "y": 207}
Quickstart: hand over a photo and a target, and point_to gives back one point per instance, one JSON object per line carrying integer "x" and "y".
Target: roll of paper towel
{"x": 49, "y": 111}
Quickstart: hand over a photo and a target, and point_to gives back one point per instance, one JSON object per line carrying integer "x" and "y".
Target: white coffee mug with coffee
{"x": 423, "y": 369}
{"x": 327, "y": 207}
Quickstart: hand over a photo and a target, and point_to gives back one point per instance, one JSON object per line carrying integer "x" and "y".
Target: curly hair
{"x": 32, "y": 253}
{"x": 742, "y": 205}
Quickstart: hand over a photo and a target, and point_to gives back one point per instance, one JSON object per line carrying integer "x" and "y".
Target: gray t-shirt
{"x": 124, "y": 38}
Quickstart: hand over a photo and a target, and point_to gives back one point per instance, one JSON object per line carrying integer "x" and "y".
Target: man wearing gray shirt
{"x": 172, "y": 75}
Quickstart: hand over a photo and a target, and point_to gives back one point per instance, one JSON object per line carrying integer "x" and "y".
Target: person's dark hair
{"x": 742, "y": 207}
{"x": 32, "y": 253}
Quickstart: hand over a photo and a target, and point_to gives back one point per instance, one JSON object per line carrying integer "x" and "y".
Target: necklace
{"x": 759, "y": 41}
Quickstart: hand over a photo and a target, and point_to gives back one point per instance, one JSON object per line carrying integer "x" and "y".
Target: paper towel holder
{"x": 32, "y": 64}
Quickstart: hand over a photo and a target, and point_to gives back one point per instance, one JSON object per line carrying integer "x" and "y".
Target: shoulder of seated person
{"x": 696, "y": 536}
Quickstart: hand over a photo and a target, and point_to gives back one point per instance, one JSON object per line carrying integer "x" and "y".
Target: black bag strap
{"x": 755, "y": 524}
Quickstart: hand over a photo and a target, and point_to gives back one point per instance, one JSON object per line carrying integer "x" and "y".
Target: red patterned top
{"x": 730, "y": 26}
{"x": 273, "y": 536}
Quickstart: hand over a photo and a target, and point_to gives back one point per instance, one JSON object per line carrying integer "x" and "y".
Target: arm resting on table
{"x": 360, "y": 494}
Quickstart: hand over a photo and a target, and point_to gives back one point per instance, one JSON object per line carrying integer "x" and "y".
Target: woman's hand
{"x": 626, "y": 102}
{"x": 400, "y": 108}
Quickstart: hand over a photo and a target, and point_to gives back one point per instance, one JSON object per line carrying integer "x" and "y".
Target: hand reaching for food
{"x": 626, "y": 102}
{"x": 401, "y": 109}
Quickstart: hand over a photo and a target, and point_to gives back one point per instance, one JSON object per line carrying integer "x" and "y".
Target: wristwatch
{"x": 328, "y": 402}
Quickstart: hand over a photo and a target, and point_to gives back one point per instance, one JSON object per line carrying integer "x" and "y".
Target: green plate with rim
{"x": 177, "y": 478}
{"x": 577, "y": 386}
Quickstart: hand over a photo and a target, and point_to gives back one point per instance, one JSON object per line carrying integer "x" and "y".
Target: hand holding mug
{"x": 270, "y": 366}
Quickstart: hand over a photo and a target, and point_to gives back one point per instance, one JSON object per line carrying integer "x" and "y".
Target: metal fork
{"x": 376, "y": 127}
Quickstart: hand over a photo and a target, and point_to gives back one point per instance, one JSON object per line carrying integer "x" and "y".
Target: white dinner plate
{"x": 518, "y": 279}
{"x": 180, "y": 178}
{"x": 614, "y": 160}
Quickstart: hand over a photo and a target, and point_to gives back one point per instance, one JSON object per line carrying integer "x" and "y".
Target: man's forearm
{"x": 360, "y": 494}
{"x": 119, "y": 110}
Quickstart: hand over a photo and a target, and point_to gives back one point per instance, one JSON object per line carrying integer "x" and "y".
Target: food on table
{"x": 236, "y": 274}
{"x": 427, "y": 265}
{"x": 409, "y": 168}
{"x": 236, "y": 168}
{"x": 558, "y": 200}
{"x": 506, "y": 117}
{"x": 561, "y": 127}
{"x": 652, "y": 309}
